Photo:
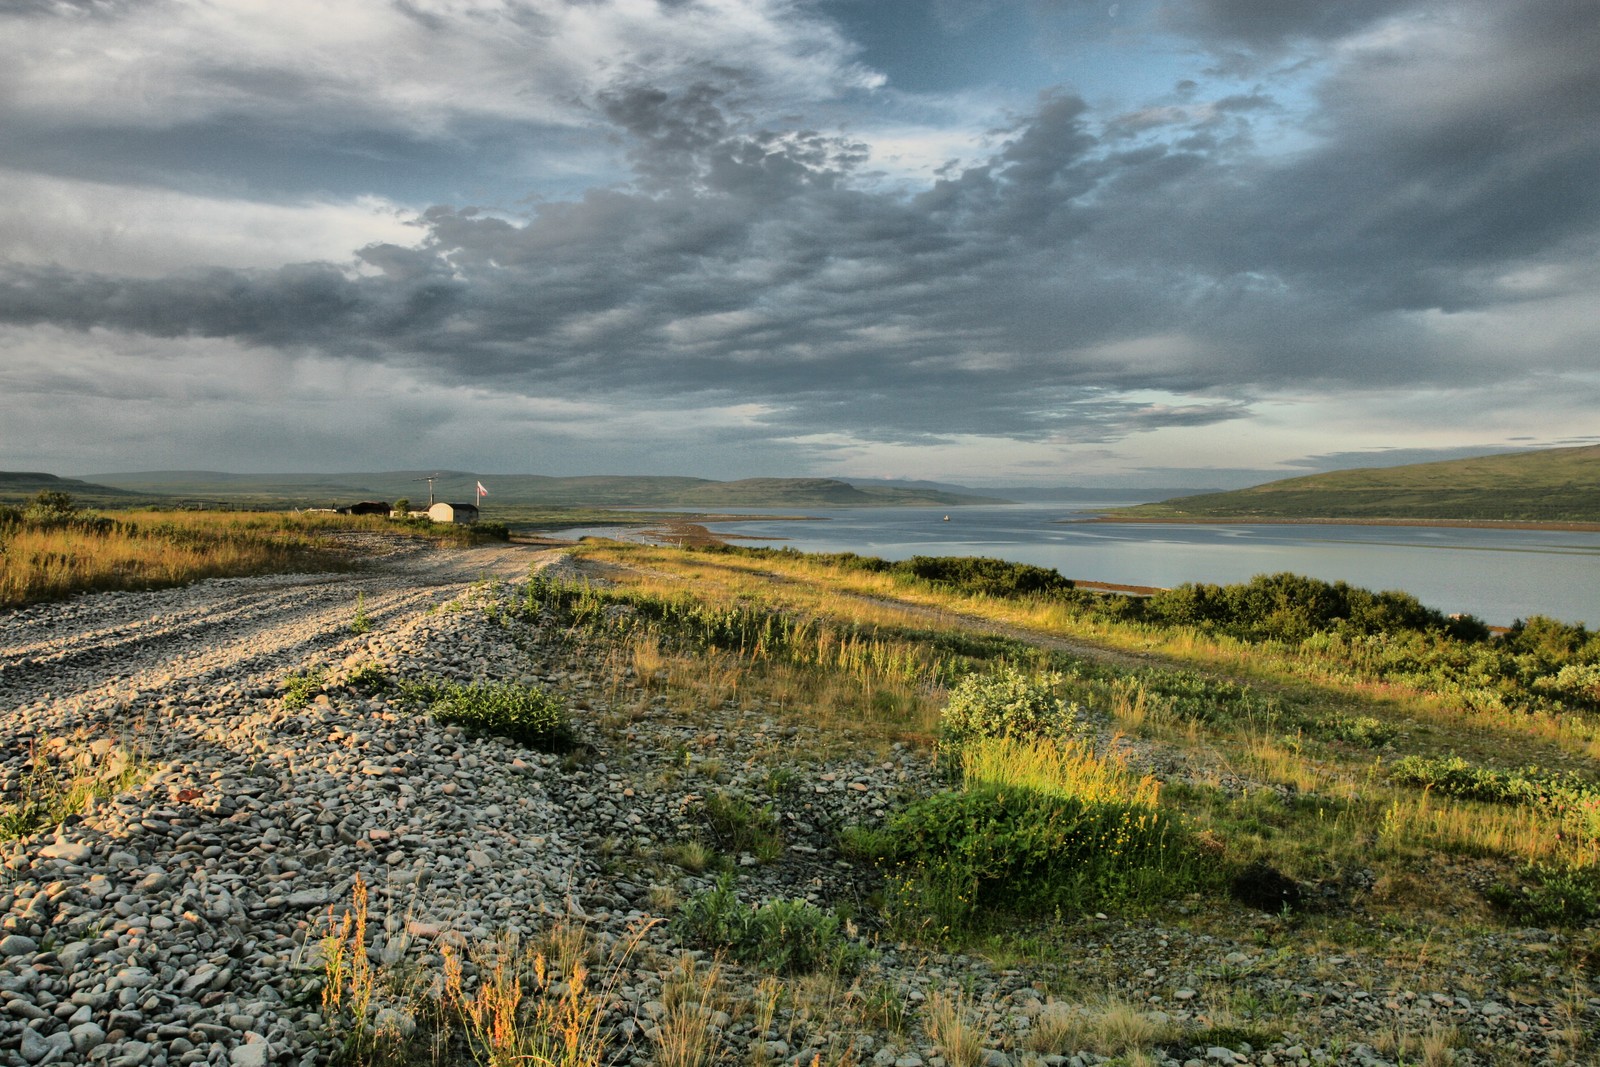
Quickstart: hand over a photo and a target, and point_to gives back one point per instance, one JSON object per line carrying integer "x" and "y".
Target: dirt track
{"x": 116, "y": 646}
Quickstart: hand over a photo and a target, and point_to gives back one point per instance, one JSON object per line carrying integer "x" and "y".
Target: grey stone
{"x": 251, "y": 1054}
{"x": 86, "y": 1036}
{"x": 18, "y": 945}
{"x": 130, "y": 1054}
{"x": 134, "y": 978}
{"x": 67, "y": 851}
{"x": 33, "y": 1047}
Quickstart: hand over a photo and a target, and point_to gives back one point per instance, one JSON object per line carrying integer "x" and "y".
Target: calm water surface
{"x": 1497, "y": 575}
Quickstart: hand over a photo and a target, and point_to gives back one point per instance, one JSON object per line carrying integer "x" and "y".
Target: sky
{"x": 995, "y": 242}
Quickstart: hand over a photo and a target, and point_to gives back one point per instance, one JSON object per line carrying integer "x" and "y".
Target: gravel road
{"x": 122, "y": 645}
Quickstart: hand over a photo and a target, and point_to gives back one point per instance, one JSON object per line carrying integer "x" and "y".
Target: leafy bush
{"x": 525, "y": 714}
{"x": 962, "y": 574}
{"x": 992, "y": 851}
{"x": 50, "y": 506}
{"x": 1550, "y": 896}
{"x": 1361, "y": 730}
{"x": 1004, "y": 703}
{"x": 1576, "y": 684}
{"x": 782, "y": 936}
{"x": 1558, "y": 792}
{"x": 1291, "y": 607}
{"x": 983, "y": 576}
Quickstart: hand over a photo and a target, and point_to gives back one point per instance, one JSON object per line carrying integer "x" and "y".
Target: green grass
{"x": 50, "y": 790}
{"x": 738, "y": 826}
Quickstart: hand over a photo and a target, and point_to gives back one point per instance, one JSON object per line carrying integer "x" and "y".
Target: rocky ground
{"x": 179, "y": 921}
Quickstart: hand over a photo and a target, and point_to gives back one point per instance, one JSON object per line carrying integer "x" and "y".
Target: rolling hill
{"x": 324, "y": 490}
{"x": 1549, "y": 485}
{"x": 19, "y": 487}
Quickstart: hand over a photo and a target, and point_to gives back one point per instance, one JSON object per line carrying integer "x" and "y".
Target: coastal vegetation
{"x": 1358, "y": 715}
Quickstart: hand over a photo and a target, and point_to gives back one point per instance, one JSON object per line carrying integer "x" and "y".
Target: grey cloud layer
{"x": 1023, "y": 297}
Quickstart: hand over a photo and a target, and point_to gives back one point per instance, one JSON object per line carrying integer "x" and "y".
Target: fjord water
{"x": 1497, "y": 575}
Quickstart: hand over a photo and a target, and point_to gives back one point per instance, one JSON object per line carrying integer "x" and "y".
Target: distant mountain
{"x": 1549, "y": 485}
{"x": 1037, "y": 494}
{"x": 322, "y": 490}
{"x": 1081, "y": 494}
{"x": 22, "y": 486}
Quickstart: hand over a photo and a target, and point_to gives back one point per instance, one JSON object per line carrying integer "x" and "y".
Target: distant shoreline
{"x": 1476, "y": 524}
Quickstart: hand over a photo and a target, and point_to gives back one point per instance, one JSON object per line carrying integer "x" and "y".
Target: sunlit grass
{"x": 157, "y": 549}
{"x": 1063, "y": 768}
{"x": 879, "y": 599}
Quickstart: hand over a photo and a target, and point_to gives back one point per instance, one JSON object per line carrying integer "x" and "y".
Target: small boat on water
{"x": 947, "y": 518}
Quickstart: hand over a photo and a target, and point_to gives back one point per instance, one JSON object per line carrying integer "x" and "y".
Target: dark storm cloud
{"x": 1242, "y": 29}
{"x": 1024, "y": 296}
{"x": 1441, "y": 168}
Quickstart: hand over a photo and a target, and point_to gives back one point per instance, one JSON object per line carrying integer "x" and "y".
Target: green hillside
{"x": 1552, "y": 485}
{"x": 19, "y": 487}
{"x": 524, "y": 490}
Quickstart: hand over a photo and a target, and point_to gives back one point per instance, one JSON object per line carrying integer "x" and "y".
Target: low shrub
{"x": 782, "y": 936}
{"x": 1006, "y": 702}
{"x": 982, "y": 576}
{"x": 525, "y": 714}
{"x": 999, "y": 851}
{"x": 737, "y": 825}
{"x": 369, "y": 678}
{"x": 1363, "y": 730}
{"x": 300, "y": 689}
{"x": 1550, "y": 895}
{"x": 1556, "y": 792}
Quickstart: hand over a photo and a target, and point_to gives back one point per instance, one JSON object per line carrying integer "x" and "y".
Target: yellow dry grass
{"x": 146, "y": 550}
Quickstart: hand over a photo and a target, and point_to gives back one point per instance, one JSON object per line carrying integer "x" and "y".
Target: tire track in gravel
{"x": 114, "y": 648}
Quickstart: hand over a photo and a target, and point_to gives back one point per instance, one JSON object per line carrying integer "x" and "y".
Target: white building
{"x": 458, "y": 513}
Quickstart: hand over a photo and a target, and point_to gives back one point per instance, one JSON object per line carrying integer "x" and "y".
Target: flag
{"x": 482, "y": 492}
